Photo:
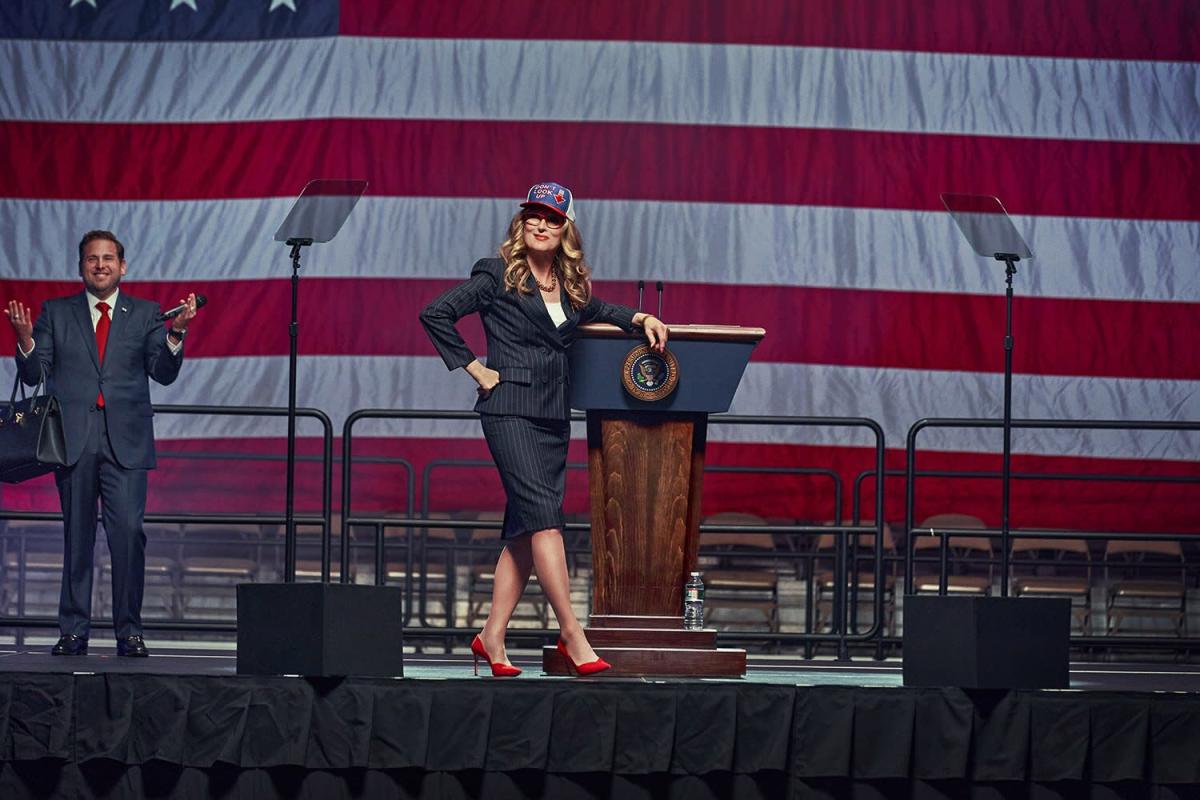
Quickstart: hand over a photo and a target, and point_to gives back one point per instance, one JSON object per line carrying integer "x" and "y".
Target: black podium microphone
{"x": 641, "y": 288}
{"x": 658, "y": 286}
{"x": 171, "y": 313}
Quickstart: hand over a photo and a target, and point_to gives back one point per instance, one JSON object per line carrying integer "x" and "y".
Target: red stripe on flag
{"x": 1164, "y": 29}
{"x": 691, "y": 163}
{"x": 844, "y": 327}
{"x": 237, "y": 485}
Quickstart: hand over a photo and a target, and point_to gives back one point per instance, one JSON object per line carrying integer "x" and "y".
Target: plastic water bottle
{"x": 693, "y": 603}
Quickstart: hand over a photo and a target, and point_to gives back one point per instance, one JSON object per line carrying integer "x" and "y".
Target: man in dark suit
{"x": 98, "y": 348}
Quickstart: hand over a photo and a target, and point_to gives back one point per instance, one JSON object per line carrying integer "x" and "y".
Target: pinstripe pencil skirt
{"x": 531, "y": 455}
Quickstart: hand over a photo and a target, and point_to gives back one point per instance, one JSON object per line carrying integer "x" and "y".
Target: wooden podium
{"x": 645, "y": 469}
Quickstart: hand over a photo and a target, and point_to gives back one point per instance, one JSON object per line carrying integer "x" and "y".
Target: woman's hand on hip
{"x": 487, "y": 378}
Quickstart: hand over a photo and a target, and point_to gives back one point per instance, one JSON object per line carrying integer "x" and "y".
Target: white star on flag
{"x": 74, "y": 3}
{"x": 177, "y": 3}
{"x": 288, "y": 4}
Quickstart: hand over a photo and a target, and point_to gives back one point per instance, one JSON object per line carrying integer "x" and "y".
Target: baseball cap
{"x": 553, "y": 196}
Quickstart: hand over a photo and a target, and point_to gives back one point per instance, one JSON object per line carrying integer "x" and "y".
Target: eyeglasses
{"x": 553, "y": 221}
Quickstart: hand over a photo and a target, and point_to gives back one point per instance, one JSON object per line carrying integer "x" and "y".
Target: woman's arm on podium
{"x": 653, "y": 327}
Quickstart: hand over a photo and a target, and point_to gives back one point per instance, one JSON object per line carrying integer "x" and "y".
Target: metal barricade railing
{"x": 21, "y": 620}
{"x": 1116, "y": 477}
{"x": 326, "y": 468}
{"x": 839, "y": 630}
{"x": 899, "y": 558}
{"x": 843, "y": 628}
{"x": 911, "y": 474}
{"x": 839, "y": 633}
{"x": 572, "y": 550}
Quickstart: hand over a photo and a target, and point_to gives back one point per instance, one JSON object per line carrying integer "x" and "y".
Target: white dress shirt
{"x": 557, "y": 315}
{"x": 112, "y": 306}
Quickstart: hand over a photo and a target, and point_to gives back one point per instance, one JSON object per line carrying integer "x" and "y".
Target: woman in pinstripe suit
{"x": 531, "y": 300}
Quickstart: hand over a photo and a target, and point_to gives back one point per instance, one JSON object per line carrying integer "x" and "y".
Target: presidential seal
{"x": 648, "y": 375}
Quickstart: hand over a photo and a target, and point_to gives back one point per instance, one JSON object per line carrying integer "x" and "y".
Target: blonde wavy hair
{"x": 569, "y": 266}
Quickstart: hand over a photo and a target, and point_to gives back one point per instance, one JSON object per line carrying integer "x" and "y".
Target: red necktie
{"x": 101, "y": 340}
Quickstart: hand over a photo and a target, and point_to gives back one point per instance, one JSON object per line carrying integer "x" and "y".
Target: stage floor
{"x": 780, "y": 671}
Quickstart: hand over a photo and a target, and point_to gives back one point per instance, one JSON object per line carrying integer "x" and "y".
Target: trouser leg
{"x": 78, "y": 489}
{"x": 123, "y": 507}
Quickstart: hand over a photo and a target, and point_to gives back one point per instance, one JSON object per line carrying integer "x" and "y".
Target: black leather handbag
{"x": 31, "y": 434}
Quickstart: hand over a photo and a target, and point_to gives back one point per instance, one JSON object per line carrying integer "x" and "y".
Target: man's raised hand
{"x": 181, "y": 320}
{"x": 22, "y": 322}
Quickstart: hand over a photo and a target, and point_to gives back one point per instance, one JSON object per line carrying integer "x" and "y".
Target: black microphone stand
{"x": 1010, "y": 268}
{"x": 289, "y": 536}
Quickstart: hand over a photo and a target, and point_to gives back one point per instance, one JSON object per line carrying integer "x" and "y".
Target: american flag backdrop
{"x": 775, "y": 162}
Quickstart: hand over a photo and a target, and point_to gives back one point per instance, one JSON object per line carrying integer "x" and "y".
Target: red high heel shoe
{"x": 590, "y": 668}
{"x": 498, "y": 670}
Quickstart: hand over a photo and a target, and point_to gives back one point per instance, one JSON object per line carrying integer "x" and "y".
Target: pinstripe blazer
{"x": 523, "y": 344}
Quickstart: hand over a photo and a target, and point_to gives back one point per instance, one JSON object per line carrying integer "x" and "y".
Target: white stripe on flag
{"x": 393, "y": 237}
{"x": 606, "y": 81}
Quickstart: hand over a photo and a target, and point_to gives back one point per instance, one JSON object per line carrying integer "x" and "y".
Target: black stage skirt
{"x": 531, "y": 455}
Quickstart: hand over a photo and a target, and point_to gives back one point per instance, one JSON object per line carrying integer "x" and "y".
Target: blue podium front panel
{"x": 709, "y": 373}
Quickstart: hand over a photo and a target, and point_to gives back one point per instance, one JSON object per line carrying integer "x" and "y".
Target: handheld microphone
{"x": 171, "y": 313}
{"x": 658, "y": 286}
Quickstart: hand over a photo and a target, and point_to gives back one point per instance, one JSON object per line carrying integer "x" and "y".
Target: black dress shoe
{"x": 70, "y": 645}
{"x": 132, "y": 647}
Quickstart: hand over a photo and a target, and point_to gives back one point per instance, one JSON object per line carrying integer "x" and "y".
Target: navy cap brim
{"x": 547, "y": 206}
